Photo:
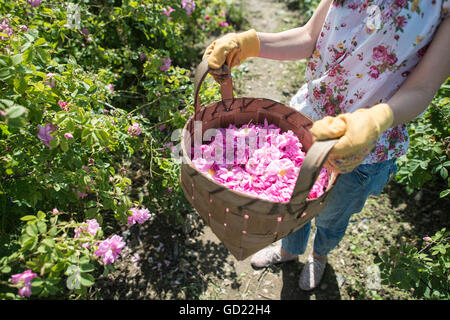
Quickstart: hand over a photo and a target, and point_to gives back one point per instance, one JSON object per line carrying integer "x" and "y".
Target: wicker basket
{"x": 246, "y": 224}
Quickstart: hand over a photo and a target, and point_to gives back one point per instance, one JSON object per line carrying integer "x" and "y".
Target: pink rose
{"x": 168, "y": 11}
{"x": 139, "y": 216}
{"x": 110, "y": 249}
{"x": 134, "y": 130}
{"x": 166, "y": 63}
{"x": 24, "y": 278}
{"x": 45, "y": 133}
{"x": 91, "y": 228}
{"x": 34, "y": 3}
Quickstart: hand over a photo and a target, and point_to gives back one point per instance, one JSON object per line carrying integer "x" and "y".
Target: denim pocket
{"x": 361, "y": 175}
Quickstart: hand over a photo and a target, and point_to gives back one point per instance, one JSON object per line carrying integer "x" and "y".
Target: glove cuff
{"x": 383, "y": 116}
{"x": 249, "y": 43}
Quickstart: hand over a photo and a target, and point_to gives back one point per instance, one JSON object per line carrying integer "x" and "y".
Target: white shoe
{"x": 270, "y": 255}
{"x": 312, "y": 273}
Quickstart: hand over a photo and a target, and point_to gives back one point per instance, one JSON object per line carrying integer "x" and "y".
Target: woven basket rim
{"x": 187, "y": 161}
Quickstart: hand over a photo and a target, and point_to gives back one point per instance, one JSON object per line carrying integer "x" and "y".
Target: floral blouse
{"x": 366, "y": 50}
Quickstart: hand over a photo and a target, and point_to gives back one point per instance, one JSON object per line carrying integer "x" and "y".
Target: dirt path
{"x": 276, "y": 80}
{"x": 265, "y": 78}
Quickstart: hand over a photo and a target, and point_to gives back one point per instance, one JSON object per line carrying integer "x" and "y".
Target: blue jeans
{"x": 347, "y": 197}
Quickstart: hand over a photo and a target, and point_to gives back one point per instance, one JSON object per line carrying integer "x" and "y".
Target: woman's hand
{"x": 232, "y": 49}
{"x": 358, "y": 132}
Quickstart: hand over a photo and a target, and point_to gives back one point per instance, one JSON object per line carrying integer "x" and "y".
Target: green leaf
{"x": 103, "y": 137}
{"x": 5, "y": 269}
{"x": 6, "y": 73}
{"x": 28, "y": 218}
{"x": 87, "y": 267}
{"x": 42, "y": 226}
{"x": 444, "y": 173}
{"x": 91, "y": 213}
{"x": 36, "y": 282}
{"x": 444, "y": 193}
{"x": 84, "y": 260}
{"x": 85, "y": 133}
{"x": 7, "y": 103}
{"x": 87, "y": 280}
{"x": 16, "y": 123}
{"x": 28, "y": 55}
{"x": 40, "y": 215}
{"x": 64, "y": 145}
{"x": 58, "y": 267}
{"x": 54, "y": 143}
{"x": 30, "y": 243}
{"x": 48, "y": 242}
{"x": 17, "y": 59}
{"x": 43, "y": 55}
{"x": 31, "y": 230}
{"x": 15, "y": 112}
{"x": 39, "y": 42}
{"x": 20, "y": 84}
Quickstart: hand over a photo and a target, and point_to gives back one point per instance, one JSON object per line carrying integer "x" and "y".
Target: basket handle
{"x": 226, "y": 87}
{"x": 310, "y": 170}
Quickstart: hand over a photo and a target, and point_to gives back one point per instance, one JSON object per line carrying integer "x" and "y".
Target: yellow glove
{"x": 358, "y": 132}
{"x": 232, "y": 49}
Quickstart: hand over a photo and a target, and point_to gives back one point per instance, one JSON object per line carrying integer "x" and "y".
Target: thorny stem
{"x": 144, "y": 105}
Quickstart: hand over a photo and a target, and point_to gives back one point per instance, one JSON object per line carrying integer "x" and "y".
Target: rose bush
{"x": 428, "y": 159}
{"x": 89, "y": 93}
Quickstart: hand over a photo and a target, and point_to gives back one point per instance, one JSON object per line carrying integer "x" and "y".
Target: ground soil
{"x": 166, "y": 260}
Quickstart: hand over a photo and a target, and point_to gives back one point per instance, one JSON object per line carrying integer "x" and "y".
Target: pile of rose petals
{"x": 263, "y": 162}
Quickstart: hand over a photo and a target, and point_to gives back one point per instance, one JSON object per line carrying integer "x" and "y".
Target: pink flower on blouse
{"x": 379, "y": 53}
{"x": 390, "y": 59}
{"x": 401, "y": 21}
{"x": 374, "y": 72}
{"x": 401, "y": 3}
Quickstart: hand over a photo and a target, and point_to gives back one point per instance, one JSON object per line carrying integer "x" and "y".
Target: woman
{"x": 374, "y": 65}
